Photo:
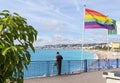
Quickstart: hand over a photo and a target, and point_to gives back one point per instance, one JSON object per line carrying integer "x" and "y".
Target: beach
{"x": 106, "y": 54}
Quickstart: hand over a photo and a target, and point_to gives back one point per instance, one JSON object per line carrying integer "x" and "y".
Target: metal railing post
{"x": 98, "y": 64}
{"x": 47, "y": 68}
{"x": 69, "y": 66}
{"x": 117, "y": 63}
{"x": 85, "y": 65}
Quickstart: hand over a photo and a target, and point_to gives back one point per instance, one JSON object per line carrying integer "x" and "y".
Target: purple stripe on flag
{"x": 93, "y": 25}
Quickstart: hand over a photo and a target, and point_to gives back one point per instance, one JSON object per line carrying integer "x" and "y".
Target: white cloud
{"x": 53, "y": 25}
{"x": 58, "y": 37}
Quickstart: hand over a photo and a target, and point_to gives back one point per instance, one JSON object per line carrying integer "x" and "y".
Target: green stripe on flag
{"x": 114, "y": 31}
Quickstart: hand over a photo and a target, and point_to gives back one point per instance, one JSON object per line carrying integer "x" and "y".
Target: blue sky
{"x": 61, "y": 21}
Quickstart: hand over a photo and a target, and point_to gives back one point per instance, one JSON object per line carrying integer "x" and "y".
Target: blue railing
{"x": 47, "y": 68}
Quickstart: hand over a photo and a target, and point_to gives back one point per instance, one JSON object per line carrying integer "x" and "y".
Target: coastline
{"x": 105, "y": 54}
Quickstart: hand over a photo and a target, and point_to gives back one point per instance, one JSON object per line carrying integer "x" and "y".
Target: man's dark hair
{"x": 57, "y": 52}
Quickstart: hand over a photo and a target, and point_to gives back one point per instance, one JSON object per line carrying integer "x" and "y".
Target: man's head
{"x": 57, "y": 52}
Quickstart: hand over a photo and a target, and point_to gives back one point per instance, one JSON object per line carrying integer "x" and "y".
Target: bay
{"x": 68, "y": 54}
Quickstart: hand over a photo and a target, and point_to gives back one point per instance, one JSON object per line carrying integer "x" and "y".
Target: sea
{"x": 68, "y": 54}
{"x": 42, "y": 61}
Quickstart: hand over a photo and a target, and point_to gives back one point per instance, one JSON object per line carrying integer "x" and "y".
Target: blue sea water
{"x": 43, "y": 59}
{"x": 49, "y": 54}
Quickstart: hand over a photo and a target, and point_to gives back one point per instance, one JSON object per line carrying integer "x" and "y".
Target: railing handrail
{"x": 46, "y": 68}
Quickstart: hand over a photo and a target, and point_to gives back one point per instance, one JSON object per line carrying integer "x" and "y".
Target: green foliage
{"x": 14, "y": 56}
{"x": 105, "y": 48}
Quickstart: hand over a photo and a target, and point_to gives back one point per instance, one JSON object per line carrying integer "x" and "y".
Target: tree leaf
{"x": 6, "y": 11}
{"x": 16, "y": 13}
{"x": 1, "y": 28}
{"x": 5, "y": 50}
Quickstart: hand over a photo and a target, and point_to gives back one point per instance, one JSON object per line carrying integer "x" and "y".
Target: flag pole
{"x": 107, "y": 45}
{"x": 83, "y": 33}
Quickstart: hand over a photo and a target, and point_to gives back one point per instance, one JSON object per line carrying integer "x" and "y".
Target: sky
{"x": 61, "y": 21}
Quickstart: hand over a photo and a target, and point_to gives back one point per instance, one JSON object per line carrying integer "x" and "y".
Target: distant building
{"x": 115, "y": 45}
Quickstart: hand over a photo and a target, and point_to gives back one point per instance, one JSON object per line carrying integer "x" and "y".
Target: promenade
{"x": 87, "y": 77}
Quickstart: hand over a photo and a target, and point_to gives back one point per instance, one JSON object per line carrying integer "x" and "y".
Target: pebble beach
{"x": 106, "y": 54}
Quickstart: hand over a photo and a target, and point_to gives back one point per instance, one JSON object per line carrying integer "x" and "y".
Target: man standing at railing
{"x": 59, "y": 59}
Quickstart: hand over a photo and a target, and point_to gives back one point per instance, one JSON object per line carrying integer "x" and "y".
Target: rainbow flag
{"x": 95, "y": 20}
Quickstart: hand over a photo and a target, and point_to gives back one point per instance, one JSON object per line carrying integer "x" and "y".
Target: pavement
{"x": 86, "y": 77}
